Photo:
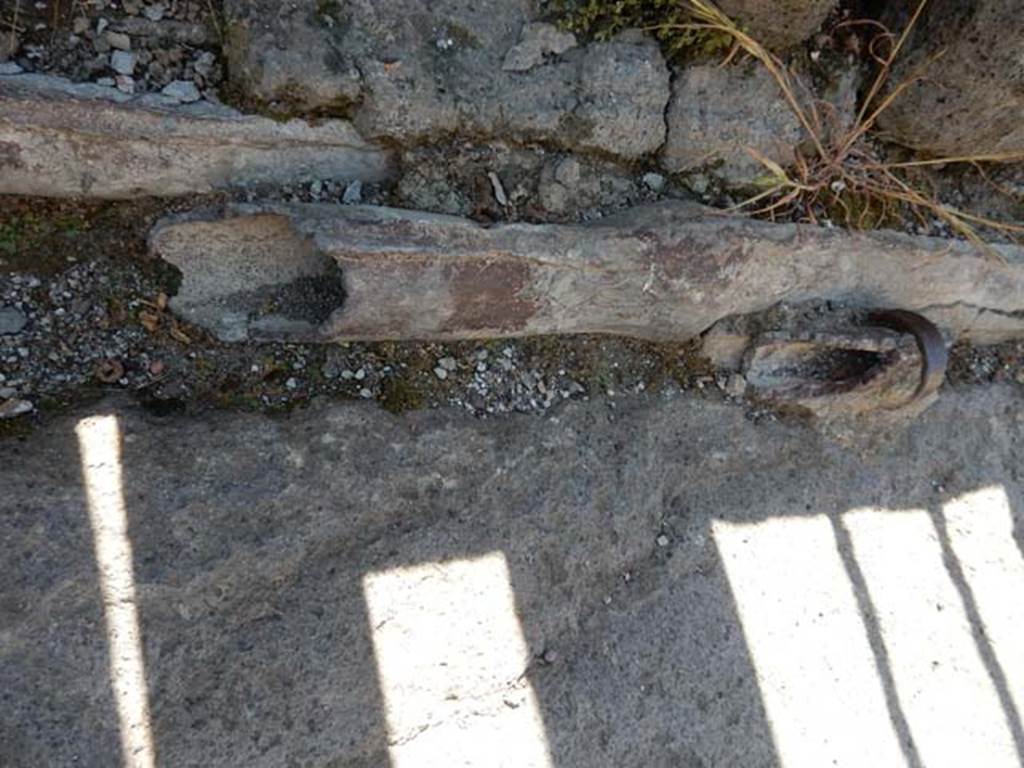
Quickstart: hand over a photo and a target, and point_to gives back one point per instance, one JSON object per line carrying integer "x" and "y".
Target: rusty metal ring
{"x": 934, "y": 355}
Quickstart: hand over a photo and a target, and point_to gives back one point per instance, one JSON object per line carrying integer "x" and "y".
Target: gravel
{"x": 153, "y": 44}
{"x": 87, "y": 308}
{"x": 96, "y": 311}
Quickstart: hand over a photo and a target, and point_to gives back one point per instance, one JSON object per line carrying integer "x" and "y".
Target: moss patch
{"x": 399, "y": 395}
{"x": 603, "y": 19}
{"x": 38, "y": 241}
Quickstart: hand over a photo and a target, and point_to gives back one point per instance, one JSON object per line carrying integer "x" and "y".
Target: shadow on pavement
{"x": 277, "y": 565}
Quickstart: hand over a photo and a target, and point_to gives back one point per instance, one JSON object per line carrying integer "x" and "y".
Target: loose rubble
{"x": 90, "y": 297}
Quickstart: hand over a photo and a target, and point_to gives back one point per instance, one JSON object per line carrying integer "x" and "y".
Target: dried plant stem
{"x": 14, "y": 24}
{"x": 845, "y": 173}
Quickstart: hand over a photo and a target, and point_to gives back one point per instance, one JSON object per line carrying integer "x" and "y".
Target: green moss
{"x": 603, "y": 19}
{"x": 399, "y": 395}
{"x": 13, "y": 429}
{"x": 10, "y": 236}
{"x": 37, "y": 242}
{"x": 48, "y": 408}
{"x": 329, "y": 12}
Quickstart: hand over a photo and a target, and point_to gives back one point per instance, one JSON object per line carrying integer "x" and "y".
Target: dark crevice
{"x": 879, "y": 652}
{"x": 986, "y": 652}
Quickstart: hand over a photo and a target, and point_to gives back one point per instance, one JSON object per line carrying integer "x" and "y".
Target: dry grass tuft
{"x": 840, "y": 172}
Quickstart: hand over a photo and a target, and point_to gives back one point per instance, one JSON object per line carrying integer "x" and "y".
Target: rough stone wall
{"x": 971, "y": 98}
{"x": 779, "y": 23}
{"x": 407, "y": 72}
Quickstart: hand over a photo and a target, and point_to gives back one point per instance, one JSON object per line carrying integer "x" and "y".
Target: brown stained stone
{"x": 665, "y": 272}
{"x": 485, "y": 291}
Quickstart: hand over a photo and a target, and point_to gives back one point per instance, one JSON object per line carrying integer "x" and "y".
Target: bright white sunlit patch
{"x": 100, "y": 449}
{"x": 981, "y": 532}
{"x": 452, "y": 659}
{"x": 814, "y": 665}
{"x": 921, "y": 667}
{"x": 951, "y": 705}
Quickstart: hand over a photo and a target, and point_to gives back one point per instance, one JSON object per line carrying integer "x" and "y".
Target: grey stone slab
{"x": 251, "y": 538}
{"x": 661, "y": 272}
{"x": 417, "y": 71}
{"x": 779, "y": 23}
{"x": 718, "y": 115}
{"x": 60, "y": 139}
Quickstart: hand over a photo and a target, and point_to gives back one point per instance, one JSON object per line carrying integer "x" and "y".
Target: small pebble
{"x": 499, "y": 189}
{"x": 353, "y": 193}
{"x": 448, "y": 363}
{"x": 14, "y": 408}
{"x": 119, "y": 40}
{"x": 654, "y": 181}
{"x": 736, "y": 386}
{"x": 123, "y": 62}
{"x": 183, "y": 91}
{"x": 699, "y": 183}
{"x": 441, "y": 373}
{"x": 662, "y": 540}
{"x": 12, "y": 321}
